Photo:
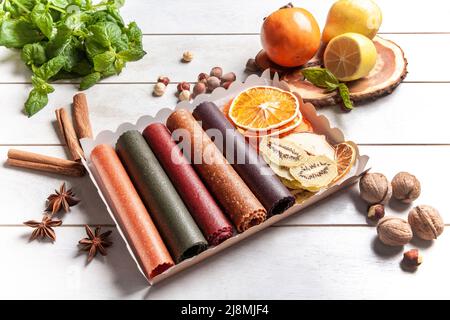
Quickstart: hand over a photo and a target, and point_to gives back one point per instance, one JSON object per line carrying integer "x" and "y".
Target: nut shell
{"x": 405, "y": 187}
{"x": 188, "y": 56}
{"x": 199, "y": 88}
{"x": 212, "y": 83}
{"x": 184, "y": 95}
{"x": 375, "y": 188}
{"x": 216, "y": 72}
{"x": 159, "y": 89}
{"x": 426, "y": 222}
{"x": 394, "y": 231}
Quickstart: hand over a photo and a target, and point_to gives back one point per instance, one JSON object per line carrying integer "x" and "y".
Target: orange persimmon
{"x": 290, "y": 36}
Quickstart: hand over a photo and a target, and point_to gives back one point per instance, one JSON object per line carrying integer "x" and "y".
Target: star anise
{"x": 96, "y": 241}
{"x": 44, "y": 228}
{"x": 61, "y": 199}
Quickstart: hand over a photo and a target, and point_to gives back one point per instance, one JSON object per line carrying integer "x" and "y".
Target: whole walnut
{"x": 405, "y": 187}
{"x": 426, "y": 222}
{"x": 394, "y": 231}
{"x": 375, "y": 188}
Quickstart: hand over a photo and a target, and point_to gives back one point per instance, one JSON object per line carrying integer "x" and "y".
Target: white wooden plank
{"x": 225, "y": 16}
{"x": 414, "y": 113}
{"x": 343, "y": 208}
{"x": 231, "y": 53}
{"x": 302, "y": 265}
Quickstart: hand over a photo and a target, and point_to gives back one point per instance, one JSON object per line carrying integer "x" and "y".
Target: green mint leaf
{"x": 33, "y": 54}
{"x": 41, "y": 85}
{"x": 89, "y": 80}
{"x": 50, "y": 68}
{"x": 345, "y": 95}
{"x": 103, "y": 61}
{"x": 119, "y": 64}
{"x": 131, "y": 54}
{"x": 62, "y": 4}
{"x": 17, "y": 33}
{"x": 35, "y": 102}
{"x": 320, "y": 77}
{"x": 93, "y": 47}
{"x": 42, "y": 19}
{"x": 134, "y": 35}
{"x": 106, "y": 33}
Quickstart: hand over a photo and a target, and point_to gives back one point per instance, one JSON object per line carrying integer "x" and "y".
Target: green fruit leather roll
{"x": 176, "y": 226}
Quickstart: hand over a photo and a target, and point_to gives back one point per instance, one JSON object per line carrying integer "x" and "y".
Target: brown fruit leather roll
{"x": 219, "y": 176}
{"x": 203, "y": 208}
{"x": 173, "y": 220}
{"x": 130, "y": 212}
{"x": 258, "y": 176}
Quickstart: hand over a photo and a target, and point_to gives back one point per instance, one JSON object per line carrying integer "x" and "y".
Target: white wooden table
{"x": 328, "y": 251}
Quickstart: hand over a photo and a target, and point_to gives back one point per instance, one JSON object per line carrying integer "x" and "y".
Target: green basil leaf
{"x": 119, "y": 64}
{"x": 82, "y": 68}
{"x": 42, "y": 19}
{"x": 131, "y": 54}
{"x": 93, "y": 47}
{"x": 35, "y": 102}
{"x": 345, "y": 95}
{"x": 89, "y": 80}
{"x": 106, "y": 33}
{"x": 33, "y": 53}
{"x": 134, "y": 35}
{"x": 103, "y": 61}
{"x": 62, "y": 4}
{"x": 17, "y": 33}
{"x": 320, "y": 77}
{"x": 41, "y": 85}
{"x": 50, "y": 68}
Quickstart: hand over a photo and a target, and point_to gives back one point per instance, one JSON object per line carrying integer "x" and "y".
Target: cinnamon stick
{"x": 80, "y": 114}
{"x": 35, "y": 161}
{"x": 68, "y": 133}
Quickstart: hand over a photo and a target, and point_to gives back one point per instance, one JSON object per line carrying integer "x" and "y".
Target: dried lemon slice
{"x": 281, "y": 152}
{"x": 345, "y": 157}
{"x": 315, "y": 172}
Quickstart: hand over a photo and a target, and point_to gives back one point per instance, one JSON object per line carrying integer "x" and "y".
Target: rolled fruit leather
{"x": 202, "y": 206}
{"x": 225, "y": 184}
{"x": 258, "y": 176}
{"x": 130, "y": 212}
{"x": 173, "y": 220}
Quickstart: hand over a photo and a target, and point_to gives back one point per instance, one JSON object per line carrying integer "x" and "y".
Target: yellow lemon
{"x": 360, "y": 16}
{"x": 350, "y": 56}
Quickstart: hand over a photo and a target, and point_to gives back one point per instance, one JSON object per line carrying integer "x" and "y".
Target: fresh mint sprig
{"x": 63, "y": 39}
{"x": 323, "y": 78}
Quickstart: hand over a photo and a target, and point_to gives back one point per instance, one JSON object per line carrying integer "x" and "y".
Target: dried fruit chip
{"x": 345, "y": 156}
{"x": 291, "y": 184}
{"x": 315, "y": 173}
{"x": 263, "y": 108}
{"x": 282, "y": 153}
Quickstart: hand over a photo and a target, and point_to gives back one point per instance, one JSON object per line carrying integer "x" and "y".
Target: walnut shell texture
{"x": 426, "y": 222}
{"x": 394, "y": 231}
{"x": 375, "y": 188}
{"x": 405, "y": 187}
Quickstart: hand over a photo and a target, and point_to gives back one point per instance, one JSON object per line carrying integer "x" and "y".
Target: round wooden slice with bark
{"x": 388, "y": 73}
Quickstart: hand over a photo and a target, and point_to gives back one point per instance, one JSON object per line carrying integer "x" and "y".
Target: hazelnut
{"x": 183, "y": 86}
{"x": 159, "y": 89}
{"x": 405, "y": 187}
{"x": 212, "y": 83}
{"x": 188, "y": 56}
{"x": 375, "y": 188}
{"x": 203, "y": 77}
{"x": 376, "y": 212}
{"x": 199, "y": 88}
{"x": 394, "y": 231}
{"x": 216, "y": 72}
{"x": 412, "y": 258}
{"x": 251, "y": 66}
{"x": 228, "y": 77}
{"x": 227, "y": 84}
{"x": 164, "y": 80}
{"x": 426, "y": 222}
{"x": 184, "y": 95}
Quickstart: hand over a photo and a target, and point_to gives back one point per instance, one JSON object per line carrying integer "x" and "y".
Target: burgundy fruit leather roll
{"x": 130, "y": 212}
{"x": 207, "y": 214}
{"x": 258, "y": 176}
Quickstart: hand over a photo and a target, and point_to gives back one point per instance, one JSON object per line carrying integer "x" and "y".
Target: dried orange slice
{"x": 263, "y": 108}
{"x": 345, "y": 156}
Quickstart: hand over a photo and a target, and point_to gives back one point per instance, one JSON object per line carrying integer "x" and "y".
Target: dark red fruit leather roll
{"x": 130, "y": 212}
{"x": 258, "y": 176}
{"x": 203, "y": 208}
